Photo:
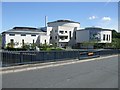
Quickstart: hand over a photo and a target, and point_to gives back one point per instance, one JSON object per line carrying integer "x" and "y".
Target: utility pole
{"x": 45, "y": 21}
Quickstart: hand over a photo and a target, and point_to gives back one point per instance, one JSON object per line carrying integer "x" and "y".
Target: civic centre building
{"x": 62, "y": 33}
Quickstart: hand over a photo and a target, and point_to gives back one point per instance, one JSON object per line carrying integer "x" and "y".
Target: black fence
{"x": 98, "y": 53}
{"x": 23, "y": 57}
{"x": 10, "y": 58}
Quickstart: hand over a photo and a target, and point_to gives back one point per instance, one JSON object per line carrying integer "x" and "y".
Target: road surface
{"x": 92, "y": 74}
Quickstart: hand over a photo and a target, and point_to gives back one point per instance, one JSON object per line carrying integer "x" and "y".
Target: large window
{"x": 66, "y": 37}
{"x": 33, "y": 35}
{"x": 33, "y": 41}
{"x": 12, "y": 43}
{"x": 11, "y": 34}
{"x": 11, "y": 40}
{"x": 55, "y": 37}
{"x": 23, "y": 34}
{"x": 104, "y": 37}
{"x": 70, "y": 34}
{"x": 107, "y": 37}
{"x": 45, "y": 41}
{"x": 75, "y": 35}
{"x": 23, "y": 43}
{"x": 61, "y": 32}
{"x": 61, "y": 37}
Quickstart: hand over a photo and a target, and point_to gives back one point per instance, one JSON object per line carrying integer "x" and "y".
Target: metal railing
{"x": 10, "y": 58}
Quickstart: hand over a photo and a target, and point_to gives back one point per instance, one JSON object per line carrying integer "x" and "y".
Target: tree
{"x": 33, "y": 46}
{"x": 43, "y": 46}
{"x": 115, "y": 43}
{"x": 115, "y": 34}
{"x": 27, "y": 47}
{"x": 88, "y": 44}
{"x": 116, "y": 39}
{"x": 10, "y": 45}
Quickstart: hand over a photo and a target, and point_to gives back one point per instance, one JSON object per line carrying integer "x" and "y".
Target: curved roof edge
{"x": 63, "y": 21}
{"x": 24, "y": 28}
{"x": 98, "y": 28}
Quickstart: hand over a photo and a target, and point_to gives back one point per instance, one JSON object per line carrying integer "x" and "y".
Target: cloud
{"x": 113, "y": 24}
{"x": 92, "y": 17}
{"x": 106, "y": 19}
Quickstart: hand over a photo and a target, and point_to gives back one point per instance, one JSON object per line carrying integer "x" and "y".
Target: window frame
{"x": 11, "y": 34}
{"x": 23, "y": 34}
{"x": 104, "y": 37}
{"x": 33, "y": 35}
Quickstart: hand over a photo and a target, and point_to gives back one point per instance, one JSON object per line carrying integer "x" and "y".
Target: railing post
{"x": 21, "y": 58}
{"x": 78, "y": 55}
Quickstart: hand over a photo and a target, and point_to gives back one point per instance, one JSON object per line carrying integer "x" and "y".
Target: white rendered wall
{"x": 56, "y": 33}
{"x": 18, "y": 39}
{"x": 84, "y": 36}
{"x": 28, "y": 39}
{"x": 49, "y": 29}
{"x": 106, "y": 33}
{"x": 44, "y": 38}
{"x": 68, "y": 29}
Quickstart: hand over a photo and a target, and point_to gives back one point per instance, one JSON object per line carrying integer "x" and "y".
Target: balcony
{"x": 63, "y": 39}
{"x": 62, "y": 34}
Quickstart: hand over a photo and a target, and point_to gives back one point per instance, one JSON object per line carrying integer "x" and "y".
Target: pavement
{"x": 92, "y": 73}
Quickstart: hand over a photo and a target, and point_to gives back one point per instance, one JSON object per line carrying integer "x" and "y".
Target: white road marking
{"x": 54, "y": 64}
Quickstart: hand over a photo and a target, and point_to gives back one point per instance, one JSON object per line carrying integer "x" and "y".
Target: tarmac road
{"x": 92, "y": 74}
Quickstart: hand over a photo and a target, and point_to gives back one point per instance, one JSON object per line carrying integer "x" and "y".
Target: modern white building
{"x": 24, "y": 35}
{"x": 61, "y": 33}
{"x": 98, "y": 35}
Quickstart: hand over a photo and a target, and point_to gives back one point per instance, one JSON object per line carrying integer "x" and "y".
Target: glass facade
{"x": 95, "y": 35}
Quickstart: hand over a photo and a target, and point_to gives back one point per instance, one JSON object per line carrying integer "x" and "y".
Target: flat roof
{"x": 94, "y": 28}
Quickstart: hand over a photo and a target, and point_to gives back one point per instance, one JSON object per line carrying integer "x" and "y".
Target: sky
{"x": 32, "y": 14}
